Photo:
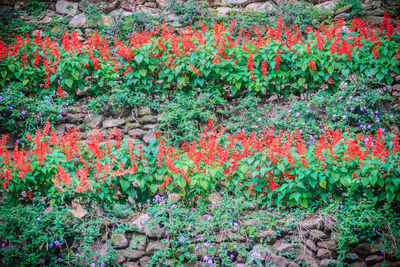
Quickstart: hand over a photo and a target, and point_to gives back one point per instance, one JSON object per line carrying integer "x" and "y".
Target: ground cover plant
{"x": 271, "y": 63}
{"x": 256, "y": 130}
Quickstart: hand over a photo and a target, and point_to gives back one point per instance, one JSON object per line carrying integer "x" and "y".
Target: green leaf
{"x": 204, "y": 184}
{"x": 69, "y": 82}
{"x": 139, "y": 58}
{"x": 143, "y": 72}
{"x": 301, "y": 81}
{"x": 323, "y": 184}
{"x": 25, "y": 82}
{"x": 4, "y": 74}
{"x": 181, "y": 80}
{"x": 124, "y": 185}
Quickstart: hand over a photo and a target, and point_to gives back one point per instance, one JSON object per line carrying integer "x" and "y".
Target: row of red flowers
{"x": 275, "y": 59}
{"x": 272, "y": 168}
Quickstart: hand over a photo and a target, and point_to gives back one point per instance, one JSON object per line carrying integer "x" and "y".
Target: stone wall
{"x": 373, "y": 10}
{"x": 311, "y": 242}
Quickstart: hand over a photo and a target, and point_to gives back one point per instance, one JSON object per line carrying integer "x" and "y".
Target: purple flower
{"x": 345, "y": 84}
{"x": 38, "y": 219}
{"x": 3, "y": 245}
{"x": 93, "y": 264}
{"x": 57, "y": 243}
{"x": 373, "y": 229}
{"x": 166, "y": 232}
{"x": 205, "y": 258}
{"x": 23, "y": 113}
{"x": 383, "y": 252}
{"x": 77, "y": 255}
{"x": 255, "y": 254}
{"x": 182, "y": 239}
{"x": 297, "y": 114}
{"x": 344, "y": 117}
{"x": 59, "y": 259}
{"x": 232, "y": 256}
{"x": 101, "y": 264}
{"x": 1, "y": 97}
{"x": 259, "y": 119}
{"x": 369, "y": 126}
{"x": 334, "y": 115}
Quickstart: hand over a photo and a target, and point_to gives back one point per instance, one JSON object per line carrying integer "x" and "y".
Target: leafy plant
{"x": 35, "y": 7}
{"x": 356, "y": 9}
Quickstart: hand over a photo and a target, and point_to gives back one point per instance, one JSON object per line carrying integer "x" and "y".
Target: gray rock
{"x": 138, "y": 242}
{"x": 105, "y": 6}
{"x": 261, "y": 7}
{"x": 138, "y": 133}
{"x": 154, "y": 246}
{"x": 75, "y": 117}
{"x": 323, "y": 253}
{"x": 150, "y": 127}
{"x": 314, "y": 223}
{"x": 331, "y": 262}
{"x": 282, "y": 247}
{"x": 358, "y": 264}
{"x": 162, "y": 3}
{"x": 120, "y": 13}
{"x": 59, "y": 129}
{"x": 352, "y": 257}
{"x": 372, "y": 259}
{"x": 268, "y": 236}
{"x": 342, "y": 16}
{"x": 172, "y": 18}
{"x": 147, "y": 119}
{"x": 96, "y": 121}
{"x": 119, "y": 240}
{"x": 120, "y": 259}
{"x": 143, "y": 111}
{"x": 150, "y": 4}
{"x": 78, "y": 21}
{"x": 281, "y": 261}
{"x": 129, "y": 5}
{"x": 329, "y": 6}
{"x": 57, "y": 29}
{"x": 130, "y": 126}
{"x": 99, "y": 248}
{"x": 311, "y": 245}
{"x": 343, "y": 9}
{"x": 66, "y": 7}
{"x": 110, "y": 123}
{"x": 330, "y": 244}
{"x": 132, "y": 254}
{"x": 46, "y": 20}
{"x": 145, "y": 225}
{"x": 70, "y": 126}
{"x": 372, "y": 19}
{"x": 236, "y": 2}
{"x": 362, "y": 249}
{"x": 106, "y": 20}
{"x": 143, "y": 261}
{"x": 317, "y": 234}
{"x": 224, "y": 11}
{"x": 281, "y": 2}
{"x": 7, "y": 2}
{"x": 307, "y": 256}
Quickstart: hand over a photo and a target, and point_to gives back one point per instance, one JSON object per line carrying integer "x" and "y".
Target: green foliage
{"x": 184, "y": 116}
{"x": 35, "y": 7}
{"x": 360, "y": 221}
{"x": 122, "y": 98}
{"x": 92, "y": 11}
{"x": 298, "y": 12}
{"x": 190, "y": 11}
{"x": 248, "y": 115}
{"x": 356, "y": 9}
{"x": 21, "y": 114}
{"x": 11, "y": 24}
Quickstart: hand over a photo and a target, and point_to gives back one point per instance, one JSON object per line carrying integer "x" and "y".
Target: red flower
{"x": 312, "y": 65}
{"x": 278, "y": 59}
